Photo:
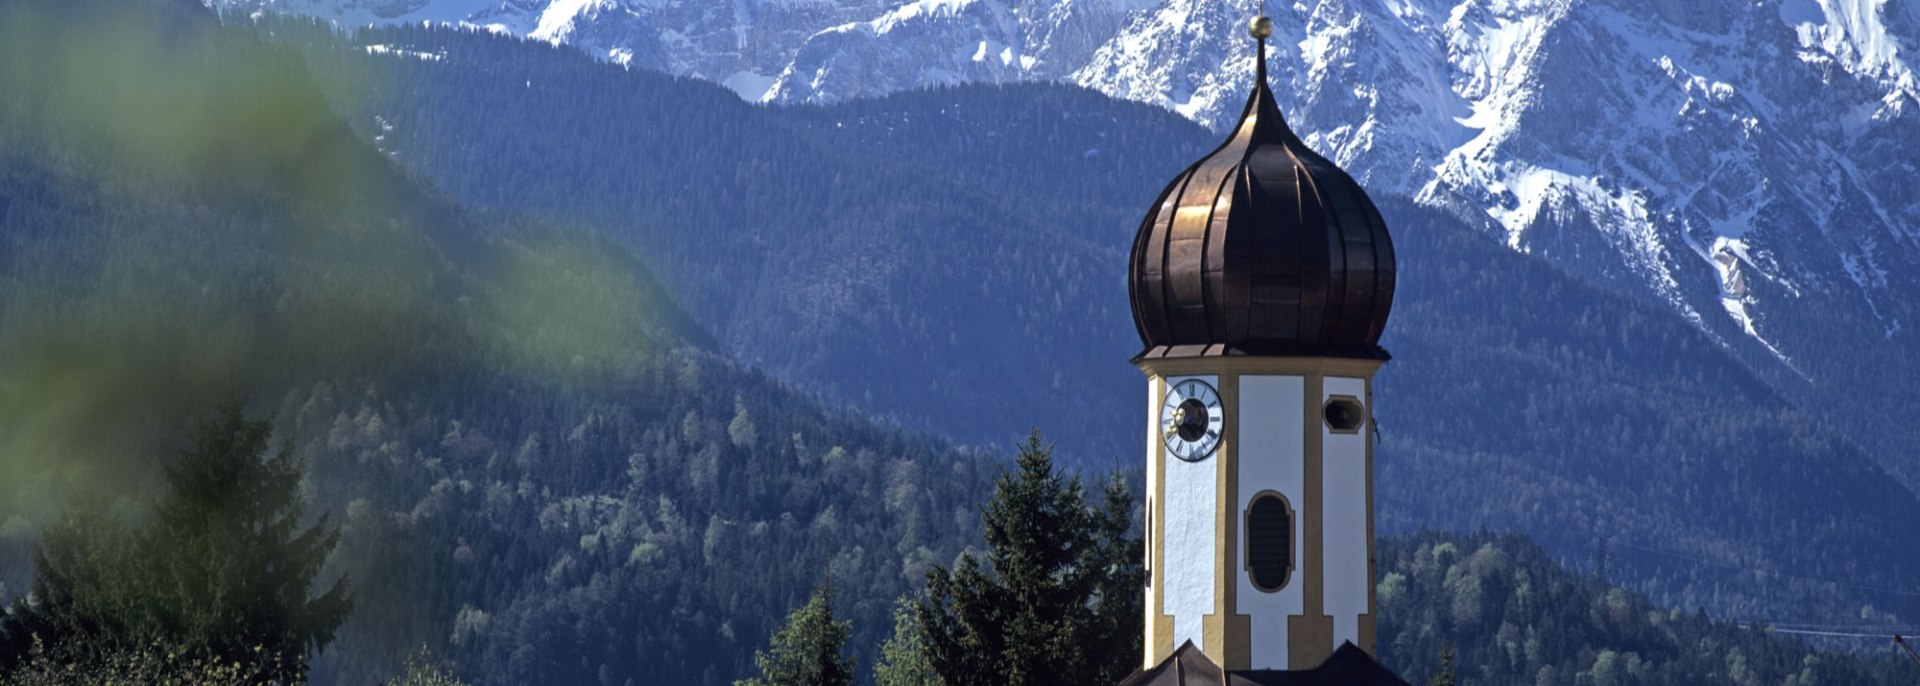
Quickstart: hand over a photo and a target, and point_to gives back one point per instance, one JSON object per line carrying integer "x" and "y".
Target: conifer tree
{"x": 903, "y": 657}
{"x": 222, "y": 575}
{"x": 84, "y": 586}
{"x": 807, "y": 652}
{"x": 230, "y": 563}
{"x": 1057, "y": 598}
{"x": 1444, "y": 677}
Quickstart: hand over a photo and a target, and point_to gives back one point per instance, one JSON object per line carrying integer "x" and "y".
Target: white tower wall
{"x": 1276, "y": 440}
{"x": 1272, "y": 456}
{"x": 1346, "y": 507}
{"x": 1191, "y": 508}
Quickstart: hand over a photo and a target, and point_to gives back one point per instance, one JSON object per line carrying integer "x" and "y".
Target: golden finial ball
{"x": 1261, "y": 27}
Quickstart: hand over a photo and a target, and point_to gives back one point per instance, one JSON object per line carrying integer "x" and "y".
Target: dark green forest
{"x": 542, "y": 470}
{"x": 1511, "y": 614}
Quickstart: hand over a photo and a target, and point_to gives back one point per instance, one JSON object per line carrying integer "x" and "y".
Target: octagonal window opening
{"x": 1344, "y": 414}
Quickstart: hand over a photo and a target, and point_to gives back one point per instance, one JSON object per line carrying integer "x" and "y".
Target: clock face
{"x": 1191, "y": 420}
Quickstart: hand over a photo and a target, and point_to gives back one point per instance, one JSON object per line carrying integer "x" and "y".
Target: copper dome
{"x": 1262, "y": 248}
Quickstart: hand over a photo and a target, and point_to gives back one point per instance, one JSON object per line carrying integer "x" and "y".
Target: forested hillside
{"x": 541, "y": 471}
{"x": 892, "y": 254}
{"x": 656, "y": 531}
{"x": 953, "y": 259}
{"x": 1507, "y": 613}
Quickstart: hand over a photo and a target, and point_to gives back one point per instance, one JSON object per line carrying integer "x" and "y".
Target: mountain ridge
{"x": 1657, "y": 148}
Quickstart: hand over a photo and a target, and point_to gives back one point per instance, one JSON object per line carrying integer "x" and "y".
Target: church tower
{"x": 1261, "y": 279}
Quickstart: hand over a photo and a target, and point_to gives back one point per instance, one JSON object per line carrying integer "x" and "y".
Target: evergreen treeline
{"x": 1507, "y": 613}
{"x": 1454, "y": 610}
{"x": 1053, "y": 600}
{"x": 656, "y": 534}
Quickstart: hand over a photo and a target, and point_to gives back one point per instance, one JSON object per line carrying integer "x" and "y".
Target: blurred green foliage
{"x": 182, "y": 218}
{"x": 220, "y": 579}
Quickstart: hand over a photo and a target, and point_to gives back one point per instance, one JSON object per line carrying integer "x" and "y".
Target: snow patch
{"x": 750, "y": 86}
{"x": 558, "y": 21}
{"x": 1006, "y": 55}
{"x": 1732, "y": 258}
{"x": 381, "y": 140}
{"x": 916, "y": 10}
{"x": 390, "y": 50}
{"x": 1853, "y": 33}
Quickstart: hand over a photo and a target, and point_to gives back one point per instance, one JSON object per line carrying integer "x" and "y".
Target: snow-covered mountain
{"x": 1728, "y": 157}
{"x": 1750, "y": 163}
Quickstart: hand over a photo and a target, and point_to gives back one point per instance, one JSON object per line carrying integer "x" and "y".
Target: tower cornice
{"x": 1324, "y": 366}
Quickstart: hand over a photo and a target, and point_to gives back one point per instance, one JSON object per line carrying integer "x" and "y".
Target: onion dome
{"x": 1263, "y": 247}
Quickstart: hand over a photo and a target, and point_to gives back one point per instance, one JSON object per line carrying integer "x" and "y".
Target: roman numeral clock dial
{"x": 1191, "y": 420}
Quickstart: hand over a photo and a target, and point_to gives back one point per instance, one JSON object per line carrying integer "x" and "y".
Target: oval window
{"x": 1269, "y": 541}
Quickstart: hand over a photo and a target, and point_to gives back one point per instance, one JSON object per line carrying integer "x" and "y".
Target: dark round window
{"x": 1269, "y": 541}
{"x": 1345, "y": 415}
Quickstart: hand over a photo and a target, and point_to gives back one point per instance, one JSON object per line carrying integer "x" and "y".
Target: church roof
{"x": 1263, "y": 247}
{"x": 1347, "y": 666}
